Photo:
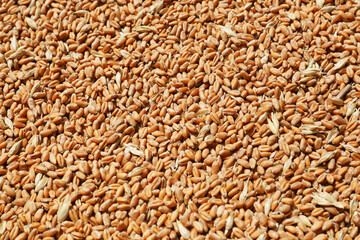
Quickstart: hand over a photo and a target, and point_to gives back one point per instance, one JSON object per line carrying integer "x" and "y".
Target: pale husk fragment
{"x": 309, "y": 129}
{"x": 273, "y": 125}
{"x": 324, "y": 158}
{"x": 42, "y": 183}
{"x": 15, "y": 148}
{"x": 9, "y": 123}
{"x": 325, "y": 199}
{"x": 263, "y": 117}
{"x": 350, "y": 148}
{"x": 287, "y": 165}
{"x": 35, "y": 88}
{"x": 274, "y": 21}
{"x": 14, "y": 44}
{"x": 127, "y": 189}
{"x": 262, "y": 236}
{"x": 140, "y": 15}
{"x": 275, "y": 120}
{"x": 136, "y": 172}
{"x": 131, "y": 148}
{"x": 38, "y": 178}
{"x": 353, "y": 206}
{"x": 31, "y": 23}
{"x": 320, "y": 3}
{"x": 2, "y": 227}
{"x": 48, "y": 54}
{"x": 267, "y": 206}
{"x": 157, "y": 7}
{"x": 305, "y": 220}
{"x": 351, "y": 106}
{"x": 125, "y": 54}
{"x": 229, "y": 223}
{"x": 264, "y": 59}
{"x": 244, "y": 192}
{"x": 63, "y": 210}
{"x": 203, "y": 131}
{"x": 185, "y": 233}
{"x": 332, "y": 134}
{"x": 341, "y": 63}
{"x": 21, "y": 51}
{"x": 176, "y": 164}
{"x": 310, "y": 64}
{"x": 118, "y": 79}
{"x": 228, "y": 31}
{"x": 355, "y": 115}
{"x": 328, "y": 9}
{"x": 35, "y": 140}
{"x": 27, "y": 74}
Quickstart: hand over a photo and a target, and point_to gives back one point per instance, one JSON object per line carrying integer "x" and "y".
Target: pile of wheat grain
{"x": 186, "y": 119}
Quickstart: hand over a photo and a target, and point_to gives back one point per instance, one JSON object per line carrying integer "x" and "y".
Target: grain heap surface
{"x": 179, "y": 119}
